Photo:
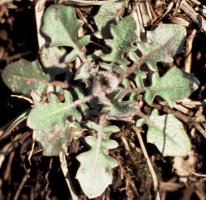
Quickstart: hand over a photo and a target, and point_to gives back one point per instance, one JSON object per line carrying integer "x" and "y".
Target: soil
{"x": 41, "y": 177}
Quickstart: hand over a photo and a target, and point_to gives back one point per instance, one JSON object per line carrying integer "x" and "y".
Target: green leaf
{"x": 123, "y": 37}
{"x": 95, "y": 172}
{"x": 139, "y": 74}
{"x": 123, "y": 110}
{"x": 168, "y": 134}
{"x": 45, "y": 116}
{"x": 106, "y": 16}
{"x": 23, "y": 76}
{"x": 85, "y": 72}
{"x": 120, "y": 110}
{"x": 53, "y": 140}
{"x": 51, "y": 57}
{"x": 174, "y": 85}
{"x": 55, "y": 59}
{"x": 84, "y": 107}
{"x": 107, "y": 129}
{"x": 162, "y": 44}
{"x": 61, "y": 26}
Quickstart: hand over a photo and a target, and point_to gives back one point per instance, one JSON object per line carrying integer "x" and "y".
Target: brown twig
{"x": 8, "y": 148}
{"x": 26, "y": 176}
{"x": 83, "y": 2}
{"x": 39, "y": 11}
{"x": 188, "y": 56}
{"x": 194, "y": 173}
{"x": 64, "y": 167}
{"x": 85, "y": 20}
{"x": 149, "y": 163}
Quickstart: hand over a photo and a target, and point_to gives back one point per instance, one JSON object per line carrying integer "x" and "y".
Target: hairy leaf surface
{"x": 95, "y": 172}
{"x": 168, "y": 134}
{"x": 55, "y": 59}
{"x": 45, "y": 116}
{"x": 123, "y": 37}
{"x": 122, "y": 110}
{"x": 107, "y": 129}
{"x": 162, "y": 44}
{"x": 53, "y": 140}
{"x": 23, "y": 76}
{"x": 85, "y": 72}
{"x": 174, "y": 85}
{"x": 106, "y": 16}
{"x": 119, "y": 109}
{"x": 61, "y": 26}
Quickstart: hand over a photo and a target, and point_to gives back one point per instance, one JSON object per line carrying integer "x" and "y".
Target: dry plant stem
{"x": 47, "y": 174}
{"x": 144, "y": 151}
{"x": 64, "y": 167}
{"x": 83, "y": 2}
{"x": 188, "y": 56}
{"x": 194, "y": 173}
{"x": 8, "y": 148}
{"x": 26, "y": 176}
{"x": 7, "y": 172}
{"x": 139, "y": 22}
{"x": 169, "y": 9}
{"x": 39, "y": 11}
{"x": 5, "y": 1}
{"x": 85, "y": 20}
{"x": 196, "y": 17}
{"x": 31, "y": 152}
{"x": 23, "y": 97}
{"x": 145, "y": 117}
{"x": 9, "y": 127}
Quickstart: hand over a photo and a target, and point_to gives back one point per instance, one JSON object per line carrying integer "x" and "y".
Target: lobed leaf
{"x": 85, "y": 72}
{"x": 121, "y": 110}
{"x": 162, "y": 44}
{"x": 45, "y": 116}
{"x": 168, "y": 134}
{"x": 174, "y": 85}
{"x": 55, "y": 59}
{"x": 95, "y": 172}
{"x": 106, "y": 16}
{"x": 24, "y": 76}
{"x": 61, "y": 26}
{"x": 123, "y": 37}
{"x": 53, "y": 140}
{"x": 107, "y": 129}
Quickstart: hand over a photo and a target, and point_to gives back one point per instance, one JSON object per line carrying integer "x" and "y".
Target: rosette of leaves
{"x": 48, "y": 120}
